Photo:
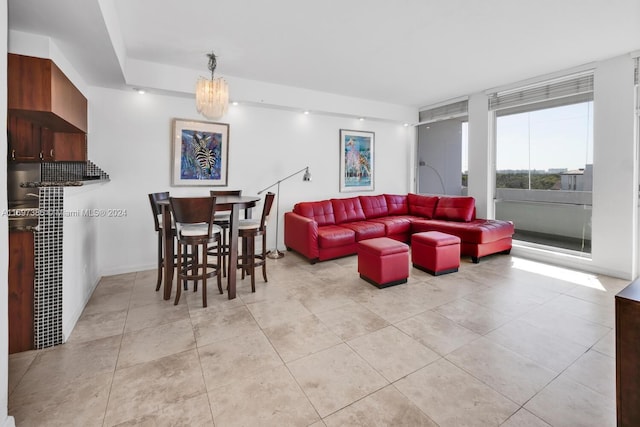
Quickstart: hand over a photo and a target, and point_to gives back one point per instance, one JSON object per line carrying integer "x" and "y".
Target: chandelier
{"x": 212, "y": 96}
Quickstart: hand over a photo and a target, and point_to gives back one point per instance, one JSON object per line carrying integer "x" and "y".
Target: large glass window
{"x": 442, "y": 150}
{"x": 544, "y": 166}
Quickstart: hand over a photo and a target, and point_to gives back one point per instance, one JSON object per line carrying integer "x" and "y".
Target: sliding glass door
{"x": 544, "y": 163}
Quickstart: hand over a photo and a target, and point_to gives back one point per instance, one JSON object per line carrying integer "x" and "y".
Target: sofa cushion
{"x": 455, "y": 209}
{"x": 365, "y": 229}
{"x": 395, "y": 224}
{"x": 321, "y": 211}
{"x": 423, "y": 206}
{"x": 476, "y": 231}
{"x": 347, "y": 210}
{"x": 333, "y": 236}
{"x": 374, "y": 206}
{"x": 397, "y": 204}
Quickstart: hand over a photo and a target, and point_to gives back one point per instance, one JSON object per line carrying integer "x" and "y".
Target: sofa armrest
{"x": 301, "y": 235}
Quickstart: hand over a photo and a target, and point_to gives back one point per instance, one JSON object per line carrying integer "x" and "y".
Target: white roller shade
{"x": 568, "y": 90}
{"x": 445, "y": 112}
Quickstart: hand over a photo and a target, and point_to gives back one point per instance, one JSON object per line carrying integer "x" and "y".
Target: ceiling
{"x": 406, "y": 52}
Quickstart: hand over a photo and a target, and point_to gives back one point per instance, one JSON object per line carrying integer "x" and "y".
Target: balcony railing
{"x": 553, "y": 218}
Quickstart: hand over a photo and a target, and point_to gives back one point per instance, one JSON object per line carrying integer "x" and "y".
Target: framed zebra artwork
{"x": 356, "y": 160}
{"x": 200, "y": 153}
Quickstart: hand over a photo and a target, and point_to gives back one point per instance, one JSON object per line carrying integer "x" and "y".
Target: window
{"x": 442, "y": 150}
{"x": 544, "y": 162}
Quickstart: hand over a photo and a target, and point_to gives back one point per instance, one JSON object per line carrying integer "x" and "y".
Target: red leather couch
{"x": 328, "y": 229}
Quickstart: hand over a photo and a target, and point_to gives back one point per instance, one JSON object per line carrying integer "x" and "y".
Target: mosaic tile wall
{"x": 71, "y": 171}
{"x": 48, "y": 263}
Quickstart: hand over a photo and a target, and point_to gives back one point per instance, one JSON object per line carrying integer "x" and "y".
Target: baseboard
{"x": 9, "y": 422}
{"x": 127, "y": 269}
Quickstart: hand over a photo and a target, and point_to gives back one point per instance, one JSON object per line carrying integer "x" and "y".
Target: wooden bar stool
{"x": 154, "y": 198}
{"x": 223, "y": 219}
{"x": 248, "y": 230}
{"x": 195, "y": 231}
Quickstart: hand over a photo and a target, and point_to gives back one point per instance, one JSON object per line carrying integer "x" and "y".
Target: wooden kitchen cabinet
{"x": 21, "y": 283}
{"x": 23, "y": 139}
{"x": 68, "y": 147}
{"x": 30, "y": 142}
{"x": 38, "y": 91}
{"x": 47, "y": 114}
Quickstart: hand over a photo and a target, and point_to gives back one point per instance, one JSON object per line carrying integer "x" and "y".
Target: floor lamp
{"x": 275, "y": 254}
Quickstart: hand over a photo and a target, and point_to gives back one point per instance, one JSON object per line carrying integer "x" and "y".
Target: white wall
{"x": 80, "y": 273}
{"x": 5, "y": 420}
{"x": 615, "y": 164}
{"x": 130, "y": 138}
{"x": 481, "y": 169}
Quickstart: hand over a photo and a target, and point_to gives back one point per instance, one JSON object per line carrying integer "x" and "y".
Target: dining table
{"x": 232, "y": 204}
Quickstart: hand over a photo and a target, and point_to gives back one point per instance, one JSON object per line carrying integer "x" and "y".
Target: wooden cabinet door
{"x": 46, "y": 145}
{"x": 23, "y": 140}
{"x": 21, "y": 282}
{"x": 29, "y": 142}
{"x": 69, "y": 147}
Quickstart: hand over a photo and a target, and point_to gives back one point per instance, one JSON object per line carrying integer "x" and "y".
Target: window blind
{"x": 444, "y": 112}
{"x": 568, "y": 90}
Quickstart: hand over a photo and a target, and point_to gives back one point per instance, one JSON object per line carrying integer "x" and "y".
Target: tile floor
{"x": 507, "y": 342}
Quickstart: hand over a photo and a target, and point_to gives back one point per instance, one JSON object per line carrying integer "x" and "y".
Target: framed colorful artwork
{"x": 356, "y": 160}
{"x": 200, "y": 153}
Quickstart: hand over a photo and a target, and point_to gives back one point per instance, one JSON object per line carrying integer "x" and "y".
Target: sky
{"x": 553, "y": 138}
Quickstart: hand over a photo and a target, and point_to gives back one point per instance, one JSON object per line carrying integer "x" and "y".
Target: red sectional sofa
{"x": 328, "y": 229}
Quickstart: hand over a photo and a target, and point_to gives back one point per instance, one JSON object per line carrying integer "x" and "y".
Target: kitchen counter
{"x": 85, "y": 181}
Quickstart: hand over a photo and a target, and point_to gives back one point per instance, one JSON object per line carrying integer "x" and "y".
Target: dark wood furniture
{"x": 628, "y": 355}
{"x": 195, "y": 231}
{"x": 47, "y": 114}
{"x": 230, "y": 203}
{"x": 21, "y": 281}
{"x": 30, "y": 142}
{"x": 154, "y": 198}
{"x": 249, "y": 230}
{"x": 223, "y": 219}
{"x": 40, "y": 92}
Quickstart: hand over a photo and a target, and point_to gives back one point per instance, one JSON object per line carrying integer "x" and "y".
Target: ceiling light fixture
{"x": 306, "y": 112}
{"x": 361, "y": 119}
{"x": 212, "y": 96}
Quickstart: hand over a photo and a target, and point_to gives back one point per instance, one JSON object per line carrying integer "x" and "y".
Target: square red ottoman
{"x": 435, "y": 252}
{"x": 383, "y": 262}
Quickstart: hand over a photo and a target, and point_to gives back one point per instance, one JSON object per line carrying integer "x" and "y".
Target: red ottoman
{"x": 435, "y": 252}
{"x": 383, "y": 262}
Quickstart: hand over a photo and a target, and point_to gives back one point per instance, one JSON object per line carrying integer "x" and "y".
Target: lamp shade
{"x": 212, "y": 97}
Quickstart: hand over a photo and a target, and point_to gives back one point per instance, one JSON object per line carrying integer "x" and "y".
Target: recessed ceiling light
{"x": 406, "y": 125}
{"x": 235, "y": 103}
{"x": 305, "y": 112}
{"x": 140, "y": 91}
{"x": 361, "y": 119}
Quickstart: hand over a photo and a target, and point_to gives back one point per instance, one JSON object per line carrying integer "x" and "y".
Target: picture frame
{"x": 200, "y": 153}
{"x": 356, "y": 160}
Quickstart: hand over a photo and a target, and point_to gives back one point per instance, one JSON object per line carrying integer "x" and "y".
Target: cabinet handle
{"x": 41, "y": 156}
{"x": 13, "y": 154}
{"x": 51, "y": 153}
